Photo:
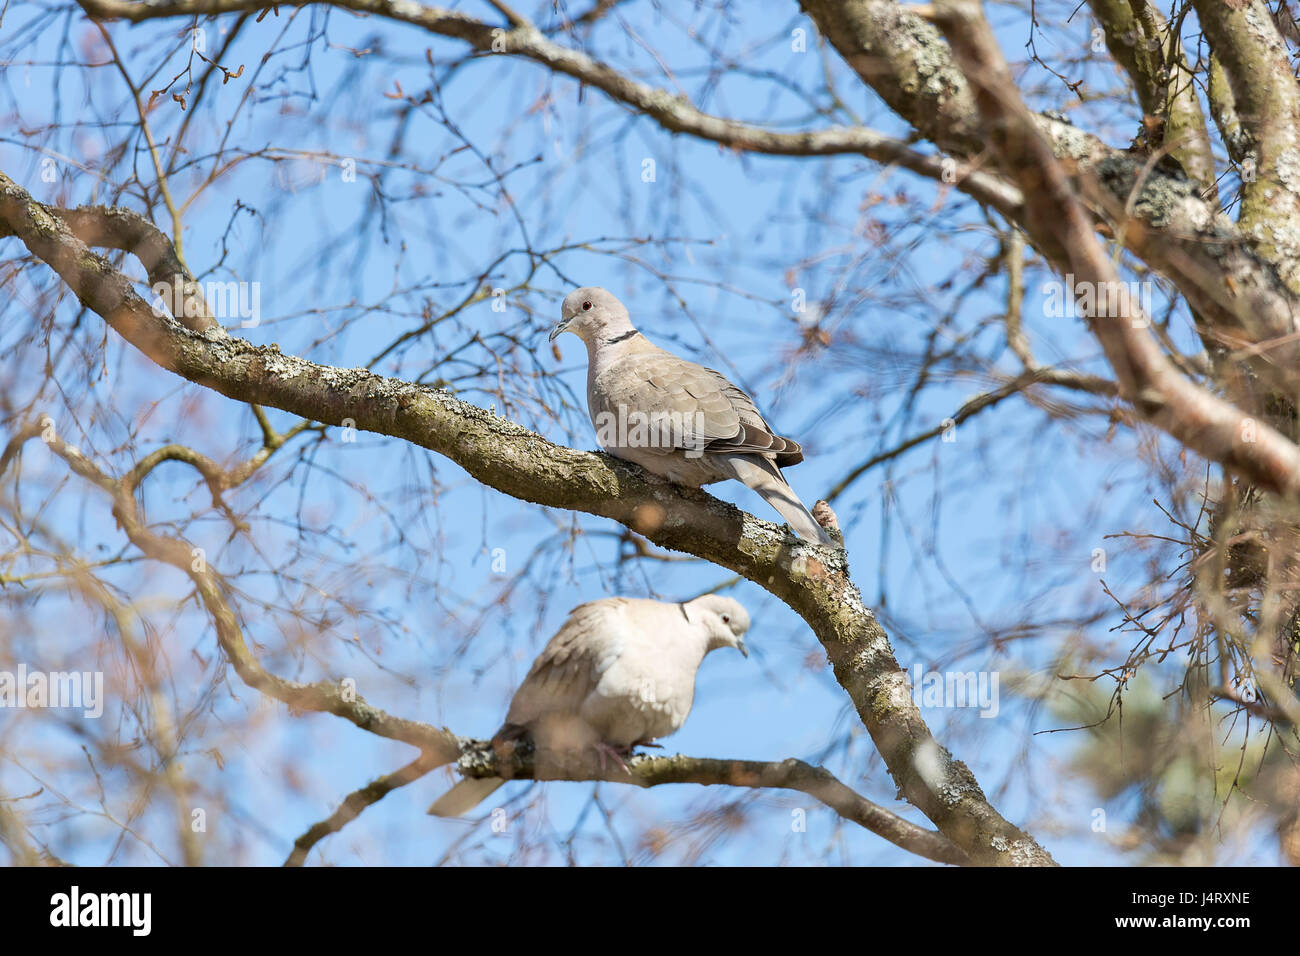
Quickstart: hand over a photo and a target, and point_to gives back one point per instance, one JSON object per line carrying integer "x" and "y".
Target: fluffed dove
{"x": 620, "y": 672}
{"x": 677, "y": 419}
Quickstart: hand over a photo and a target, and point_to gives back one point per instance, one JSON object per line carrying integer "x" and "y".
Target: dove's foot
{"x": 605, "y": 751}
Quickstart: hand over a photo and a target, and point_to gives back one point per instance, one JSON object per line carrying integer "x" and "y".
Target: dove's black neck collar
{"x": 622, "y": 338}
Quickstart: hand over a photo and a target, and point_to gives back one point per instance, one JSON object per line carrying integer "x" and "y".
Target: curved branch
{"x": 111, "y": 227}
{"x": 322, "y": 696}
{"x": 1151, "y": 53}
{"x": 479, "y": 759}
{"x": 356, "y": 802}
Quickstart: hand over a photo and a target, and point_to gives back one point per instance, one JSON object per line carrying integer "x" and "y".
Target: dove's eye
{"x": 586, "y": 306}
{"x": 726, "y": 619}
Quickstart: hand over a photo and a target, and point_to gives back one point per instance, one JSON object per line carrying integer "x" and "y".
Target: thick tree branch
{"x": 1223, "y": 110}
{"x": 1147, "y": 379}
{"x": 1266, "y": 99}
{"x": 1156, "y": 214}
{"x": 1140, "y": 40}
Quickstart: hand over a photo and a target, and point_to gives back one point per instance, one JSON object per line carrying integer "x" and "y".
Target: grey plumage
{"x": 675, "y": 418}
{"x": 618, "y": 673}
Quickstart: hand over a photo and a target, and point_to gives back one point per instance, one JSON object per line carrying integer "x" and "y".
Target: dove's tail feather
{"x": 465, "y": 796}
{"x": 764, "y": 477}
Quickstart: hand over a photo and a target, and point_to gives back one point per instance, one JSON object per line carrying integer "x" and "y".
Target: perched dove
{"x": 674, "y": 418}
{"x": 619, "y": 673}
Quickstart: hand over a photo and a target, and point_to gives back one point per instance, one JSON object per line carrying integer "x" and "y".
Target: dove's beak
{"x": 559, "y": 329}
{"x": 740, "y": 646}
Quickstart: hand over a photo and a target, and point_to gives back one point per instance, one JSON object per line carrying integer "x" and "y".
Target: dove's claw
{"x": 605, "y": 750}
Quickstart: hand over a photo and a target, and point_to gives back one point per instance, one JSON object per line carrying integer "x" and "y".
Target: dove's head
{"x": 593, "y": 315}
{"x": 725, "y": 619}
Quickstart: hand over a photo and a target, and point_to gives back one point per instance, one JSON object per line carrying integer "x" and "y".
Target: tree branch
{"x": 356, "y": 802}
{"x": 1039, "y": 375}
{"x": 1266, "y": 100}
{"x": 111, "y": 227}
{"x": 322, "y": 696}
{"x": 1157, "y": 215}
{"x": 1158, "y": 391}
{"x": 1140, "y": 40}
{"x": 479, "y": 759}
{"x": 673, "y": 112}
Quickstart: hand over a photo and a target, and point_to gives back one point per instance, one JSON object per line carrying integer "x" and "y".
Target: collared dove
{"x": 619, "y": 673}
{"x": 676, "y": 419}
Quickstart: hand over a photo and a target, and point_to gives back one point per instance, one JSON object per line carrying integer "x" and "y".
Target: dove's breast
{"x": 647, "y": 693}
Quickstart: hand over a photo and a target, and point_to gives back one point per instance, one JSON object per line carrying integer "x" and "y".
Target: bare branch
{"x": 479, "y": 759}
{"x": 671, "y": 111}
{"x": 356, "y": 802}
